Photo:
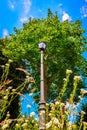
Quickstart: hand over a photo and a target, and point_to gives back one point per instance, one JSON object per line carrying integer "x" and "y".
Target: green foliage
{"x": 65, "y": 45}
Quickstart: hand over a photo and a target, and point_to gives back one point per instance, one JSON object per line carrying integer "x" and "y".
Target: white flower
{"x": 26, "y": 120}
{"x": 30, "y": 94}
{"x": 83, "y": 91}
{"x": 77, "y": 78}
{"x": 52, "y": 104}
{"x": 17, "y": 124}
{"x": 10, "y": 87}
{"x": 85, "y": 123}
{"x": 4, "y": 126}
{"x": 48, "y": 125}
{"x": 27, "y": 78}
{"x": 69, "y": 125}
{"x": 57, "y": 103}
{"x": 28, "y": 106}
{"x": 64, "y": 79}
{"x": 62, "y": 104}
{"x": 47, "y": 104}
{"x": 2, "y": 66}
{"x": 83, "y": 113}
{"x": 10, "y": 61}
{"x": 80, "y": 97}
{"x": 68, "y": 71}
{"x": 7, "y": 64}
{"x": 5, "y": 97}
{"x": 23, "y": 116}
{"x": 50, "y": 114}
{"x": 56, "y": 121}
{"x": 13, "y": 90}
{"x": 32, "y": 114}
{"x": 36, "y": 119}
{"x": 7, "y": 90}
{"x": 24, "y": 125}
{"x": 8, "y": 114}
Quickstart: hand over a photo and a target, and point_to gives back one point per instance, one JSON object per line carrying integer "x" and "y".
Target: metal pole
{"x": 42, "y": 104}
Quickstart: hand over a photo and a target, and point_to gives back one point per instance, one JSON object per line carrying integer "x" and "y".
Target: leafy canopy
{"x": 65, "y": 45}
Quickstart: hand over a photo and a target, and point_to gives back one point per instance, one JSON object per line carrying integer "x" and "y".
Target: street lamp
{"x": 42, "y": 103}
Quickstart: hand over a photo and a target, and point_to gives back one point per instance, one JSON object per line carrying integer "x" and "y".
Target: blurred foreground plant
{"x": 59, "y": 115}
{"x": 9, "y": 94}
{"x": 62, "y": 115}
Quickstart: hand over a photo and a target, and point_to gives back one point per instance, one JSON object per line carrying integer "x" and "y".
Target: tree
{"x": 10, "y": 77}
{"x": 65, "y": 45}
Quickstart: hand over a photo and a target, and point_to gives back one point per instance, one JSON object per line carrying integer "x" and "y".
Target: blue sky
{"x": 14, "y": 12}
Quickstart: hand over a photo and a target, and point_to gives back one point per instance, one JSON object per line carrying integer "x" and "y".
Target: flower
{"x": 30, "y": 94}
{"x": 8, "y": 114}
{"x": 55, "y": 121}
{"x": 23, "y": 116}
{"x": 32, "y": 114}
{"x": 83, "y": 91}
{"x": 17, "y": 124}
{"x": 28, "y": 106}
{"x": 24, "y": 125}
{"x": 52, "y": 104}
{"x": 36, "y": 119}
{"x": 77, "y": 78}
{"x": 85, "y": 123}
{"x": 48, "y": 125}
{"x": 10, "y": 61}
{"x": 5, "y": 97}
{"x": 47, "y": 104}
{"x": 83, "y": 113}
{"x": 2, "y": 66}
{"x": 62, "y": 104}
{"x": 13, "y": 90}
{"x": 50, "y": 114}
{"x": 64, "y": 79}
{"x": 7, "y": 90}
{"x": 27, "y": 78}
{"x": 57, "y": 103}
{"x": 7, "y": 64}
{"x": 4, "y": 126}
{"x": 70, "y": 125}
{"x": 68, "y": 71}
{"x": 10, "y": 87}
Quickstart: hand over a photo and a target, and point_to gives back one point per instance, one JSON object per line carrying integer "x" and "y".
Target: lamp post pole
{"x": 42, "y": 103}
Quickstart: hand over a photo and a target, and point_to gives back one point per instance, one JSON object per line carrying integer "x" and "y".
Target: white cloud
{"x": 85, "y": 0}
{"x": 66, "y": 16}
{"x": 5, "y": 32}
{"x": 11, "y": 4}
{"x": 62, "y": 13}
{"x": 83, "y": 11}
{"x": 26, "y": 6}
{"x": 25, "y": 19}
